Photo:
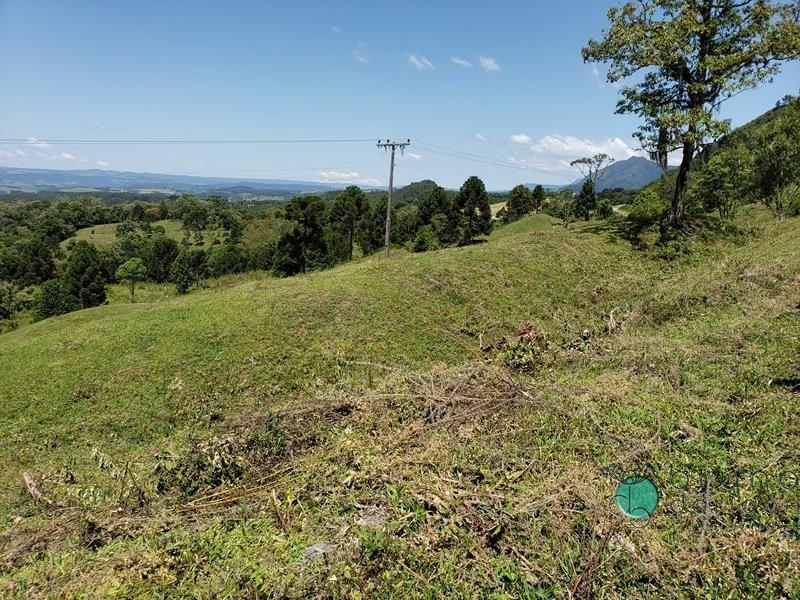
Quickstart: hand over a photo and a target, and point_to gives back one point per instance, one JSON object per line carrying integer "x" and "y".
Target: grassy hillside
{"x": 393, "y": 428}
{"x": 103, "y": 236}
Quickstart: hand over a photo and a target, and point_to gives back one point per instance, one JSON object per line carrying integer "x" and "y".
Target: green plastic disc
{"x": 637, "y": 497}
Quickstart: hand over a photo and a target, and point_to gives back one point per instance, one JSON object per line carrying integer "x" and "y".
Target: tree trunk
{"x": 132, "y": 284}
{"x": 350, "y": 253}
{"x": 677, "y": 215}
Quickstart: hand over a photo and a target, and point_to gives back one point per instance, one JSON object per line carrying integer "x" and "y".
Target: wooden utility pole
{"x": 390, "y": 145}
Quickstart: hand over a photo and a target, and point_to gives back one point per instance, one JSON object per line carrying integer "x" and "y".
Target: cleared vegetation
{"x": 453, "y": 422}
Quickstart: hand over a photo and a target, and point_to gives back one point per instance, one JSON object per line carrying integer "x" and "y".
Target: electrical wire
{"x": 479, "y": 158}
{"x": 34, "y": 141}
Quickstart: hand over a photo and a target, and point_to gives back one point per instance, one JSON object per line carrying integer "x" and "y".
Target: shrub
{"x": 53, "y": 298}
{"x": 425, "y": 240}
{"x": 188, "y": 270}
{"x": 604, "y": 209}
{"x": 225, "y": 258}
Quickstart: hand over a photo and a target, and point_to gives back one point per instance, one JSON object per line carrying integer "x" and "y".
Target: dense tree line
{"x": 308, "y": 233}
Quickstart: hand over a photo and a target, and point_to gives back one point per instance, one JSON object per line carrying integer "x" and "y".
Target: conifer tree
{"x": 83, "y": 275}
{"x": 473, "y": 204}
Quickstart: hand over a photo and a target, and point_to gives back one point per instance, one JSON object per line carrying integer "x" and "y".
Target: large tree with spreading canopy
{"x": 679, "y": 60}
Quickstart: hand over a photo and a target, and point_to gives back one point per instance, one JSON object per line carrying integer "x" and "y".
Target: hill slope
{"x": 343, "y": 433}
{"x": 631, "y": 174}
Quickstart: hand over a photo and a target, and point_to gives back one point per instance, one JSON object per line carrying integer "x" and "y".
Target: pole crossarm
{"x": 393, "y": 146}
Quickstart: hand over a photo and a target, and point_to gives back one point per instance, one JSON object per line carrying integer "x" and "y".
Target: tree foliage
{"x": 347, "y": 211}
{"x": 520, "y": 203}
{"x": 473, "y": 203}
{"x": 723, "y": 183}
{"x": 587, "y": 200}
{"x": 83, "y": 275}
{"x": 158, "y": 257}
{"x": 538, "y": 197}
{"x": 686, "y": 57}
{"x": 776, "y": 161}
{"x": 425, "y": 240}
{"x": 7, "y": 303}
{"x": 188, "y": 270}
{"x": 592, "y": 167}
{"x": 131, "y": 271}
{"x": 53, "y": 298}
{"x": 304, "y": 247}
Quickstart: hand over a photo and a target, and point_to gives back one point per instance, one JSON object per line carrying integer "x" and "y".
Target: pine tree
{"x": 83, "y": 275}
{"x": 347, "y": 210}
{"x": 436, "y": 202}
{"x": 308, "y": 212}
{"x": 473, "y": 204}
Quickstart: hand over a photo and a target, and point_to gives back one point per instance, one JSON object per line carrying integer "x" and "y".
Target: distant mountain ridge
{"x": 630, "y": 174}
{"x": 96, "y": 179}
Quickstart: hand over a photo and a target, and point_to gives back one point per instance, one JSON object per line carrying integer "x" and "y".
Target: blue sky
{"x": 503, "y": 80}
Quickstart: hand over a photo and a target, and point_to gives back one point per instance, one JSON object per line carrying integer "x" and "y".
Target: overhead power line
{"x": 34, "y": 141}
{"x": 479, "y": 158}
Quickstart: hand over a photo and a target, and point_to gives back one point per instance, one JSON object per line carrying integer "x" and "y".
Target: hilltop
{"x": 630, "y": 174}
{"x": 455, "y": 420}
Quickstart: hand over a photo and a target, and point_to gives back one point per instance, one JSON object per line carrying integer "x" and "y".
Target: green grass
{"x": 103, "y": 236}
{"x": 148, "y": 292}
{"x": 428, "y": 466}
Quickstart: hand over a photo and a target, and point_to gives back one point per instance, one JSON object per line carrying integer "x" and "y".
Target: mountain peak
{"x": 629, "y": 174}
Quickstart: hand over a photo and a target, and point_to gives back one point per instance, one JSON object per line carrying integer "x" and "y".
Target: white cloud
{"x": 554, "y": 152}
{"x": 338, "y": 30}
{"x": 461, "y": 62}
{"x": 101, "y": 163}
{"x": 412, "y": 156}
{"x": 419, "y": 62}
{"x": 488, "y": 64}
{"x": 567, "y": 146}
{"x": 65, "y": 156}
{"x": 352, "y": 177}
{"x": 32, "y": 141}
{"x": 520, "y": 139}
{"x": 481, "y": 138}
{"x": 548, "y": 165}
{"x": 361, "y": 53}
